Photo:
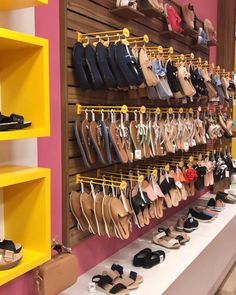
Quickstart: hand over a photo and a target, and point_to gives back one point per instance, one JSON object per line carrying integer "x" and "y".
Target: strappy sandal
{"x": 87, "y": 206}
{"x": 117, "y": 143}
{"x": 9, "y": 259}
{"x": 139, "y": 203}
{"x": 86, "y": 141}
{"x": 75, "y": 206}
{"x": 9, "y": 245}
{"x": 80, "y": 144}
{"x": 136, "y": 139}
{"x": 184, "y": 79}
{"x": 109, "y": 225}
{"x": 181, "y": 237}
{"x": 163, "y": 240}
{"x": 13, "y": 122}
{"x": 104, "y": 284}
{"x": 131, "y": 280}
{"x": 97, "y": 139}
{"x": 98, "y": 213}
{"x": 120, "y": 217}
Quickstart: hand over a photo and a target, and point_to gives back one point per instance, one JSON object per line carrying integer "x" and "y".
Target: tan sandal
{"x": 167, "y": 242}
{"x": 9, "y": 259}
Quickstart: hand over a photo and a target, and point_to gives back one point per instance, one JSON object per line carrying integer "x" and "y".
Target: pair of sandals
{"x": 13, "y": 122}
{"x": 147, "y": 258}
{"x": 102, "y": 213}
{"x": 116, "y": 281}
{"x": 170, "y": 239}
{"x": 10, "y": 255}
{"x": 146, "y": 200}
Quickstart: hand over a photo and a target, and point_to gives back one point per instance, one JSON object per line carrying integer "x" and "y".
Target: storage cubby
{"x": 15, "y": 4}
{"x": 26, "y": 205}
{"x": 24, "y": 80}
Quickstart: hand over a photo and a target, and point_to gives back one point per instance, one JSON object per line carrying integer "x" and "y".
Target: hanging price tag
{"x": 138, "y": 155}
{"x": 204, "y": 139}
{"x": 179, "y": 184}
{"x": 184, "y": 100}
{"x": 207, "y": 136}
{"x": 227, "y": 174}
{"x": 194, "y": 142}
{"x": 92, "y": 288}
{"x": 186, "y": 146}
{"x": 174, "y": 148}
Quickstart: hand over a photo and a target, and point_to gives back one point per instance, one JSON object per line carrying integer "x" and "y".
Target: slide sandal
{"x": 98, "y": 213}
{"x": 104, "y": 284}
{"x": 10, "y": 246}
{"x": 13, "y": 122}
{"x": 162, "y": 240}
{"x": 80, "y": 145}
{"x": 155, "y": 258}
{"x": 76, "y": 209}
{"x": 109, "y": 225}
{"x": 97, "y": 139}
{"x": 120, "y": 217}
{"x": 87, "y": 206}
{"x": 136, "y": 140}
{"x": 8, "y": 259}
{"x": 117, "y": 143}
{"x": 85, "y": 138}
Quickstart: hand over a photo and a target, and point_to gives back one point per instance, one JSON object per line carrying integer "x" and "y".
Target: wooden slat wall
{"x": 89, "y": 16}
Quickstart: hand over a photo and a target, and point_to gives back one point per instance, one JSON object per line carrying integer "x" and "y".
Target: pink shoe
{"x": 173, "y": 19}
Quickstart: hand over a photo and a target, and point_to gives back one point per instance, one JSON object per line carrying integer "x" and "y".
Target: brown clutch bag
{"x": 57, "y": 274}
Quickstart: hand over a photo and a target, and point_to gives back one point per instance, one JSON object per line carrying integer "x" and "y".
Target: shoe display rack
{"x": 177, "y": 274}
{"x": 16, "y": 4}
{"x": 25, "y": 191}
{"x": 84, "y": 16}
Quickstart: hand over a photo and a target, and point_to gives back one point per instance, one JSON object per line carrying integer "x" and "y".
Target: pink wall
{"x": 95, "y": 249}
{"x": 205, "y": 9}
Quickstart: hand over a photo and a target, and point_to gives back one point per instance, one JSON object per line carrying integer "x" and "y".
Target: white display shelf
{"x": 159, "y": 278}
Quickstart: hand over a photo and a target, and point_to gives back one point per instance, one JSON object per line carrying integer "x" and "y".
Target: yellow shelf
{"x": 16, "y": 4}
{"x": 30, "y": 260}
{"x": 24, "y": 78}
{"x": 26, "y": 202}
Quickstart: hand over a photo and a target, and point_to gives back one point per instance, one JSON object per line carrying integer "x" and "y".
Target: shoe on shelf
{"x": 231, "y": 192}
{"x": 173, "y": 19}
{"x": 200, "y": 216}
{"x": 126, "y": 3}
{"x": 202, "y": 37}
{"x": 214, "y": 205}
{"x": 188, "y": 15}
{"x": 225, "y": 198}
{"x": 190, "y": 224}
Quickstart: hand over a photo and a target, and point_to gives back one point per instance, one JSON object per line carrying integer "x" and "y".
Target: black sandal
{"x": 104, "y": 284}
{"x": 10, "y": 246}
{"x": 13, "y": 122}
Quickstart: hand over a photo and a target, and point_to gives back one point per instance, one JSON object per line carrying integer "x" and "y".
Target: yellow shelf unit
{"x": 16, "y": 4}
{"x": 26, "y": 203}
{"x": 24, "y": 79}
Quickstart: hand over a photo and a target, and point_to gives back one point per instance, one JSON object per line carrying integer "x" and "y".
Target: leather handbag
{"x": 57, "y": 274}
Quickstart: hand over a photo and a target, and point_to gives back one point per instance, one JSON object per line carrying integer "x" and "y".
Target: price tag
{"x": 184, "y": 100}
{"x": 92, "y": 288}
{"x": 207, "y": 136}
{"x": 179, "y": 184}
{"x": 162, "y": 258}
{"x": 227, "y": 174}
{"x": 204, "y": 139}
{"x": 138, "y": 155}
{"x": 194, "y": 142}
{"x": 174, "y": 148}
{"x": 186, "y": 146}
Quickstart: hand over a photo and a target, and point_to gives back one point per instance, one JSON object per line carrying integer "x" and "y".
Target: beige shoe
{"x": 189, "y": 15}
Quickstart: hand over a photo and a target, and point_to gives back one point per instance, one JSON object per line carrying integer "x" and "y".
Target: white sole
{"x": 189, "y": 230}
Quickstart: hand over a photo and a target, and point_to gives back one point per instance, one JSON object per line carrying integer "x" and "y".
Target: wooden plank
{"x": 87, "y": 16}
